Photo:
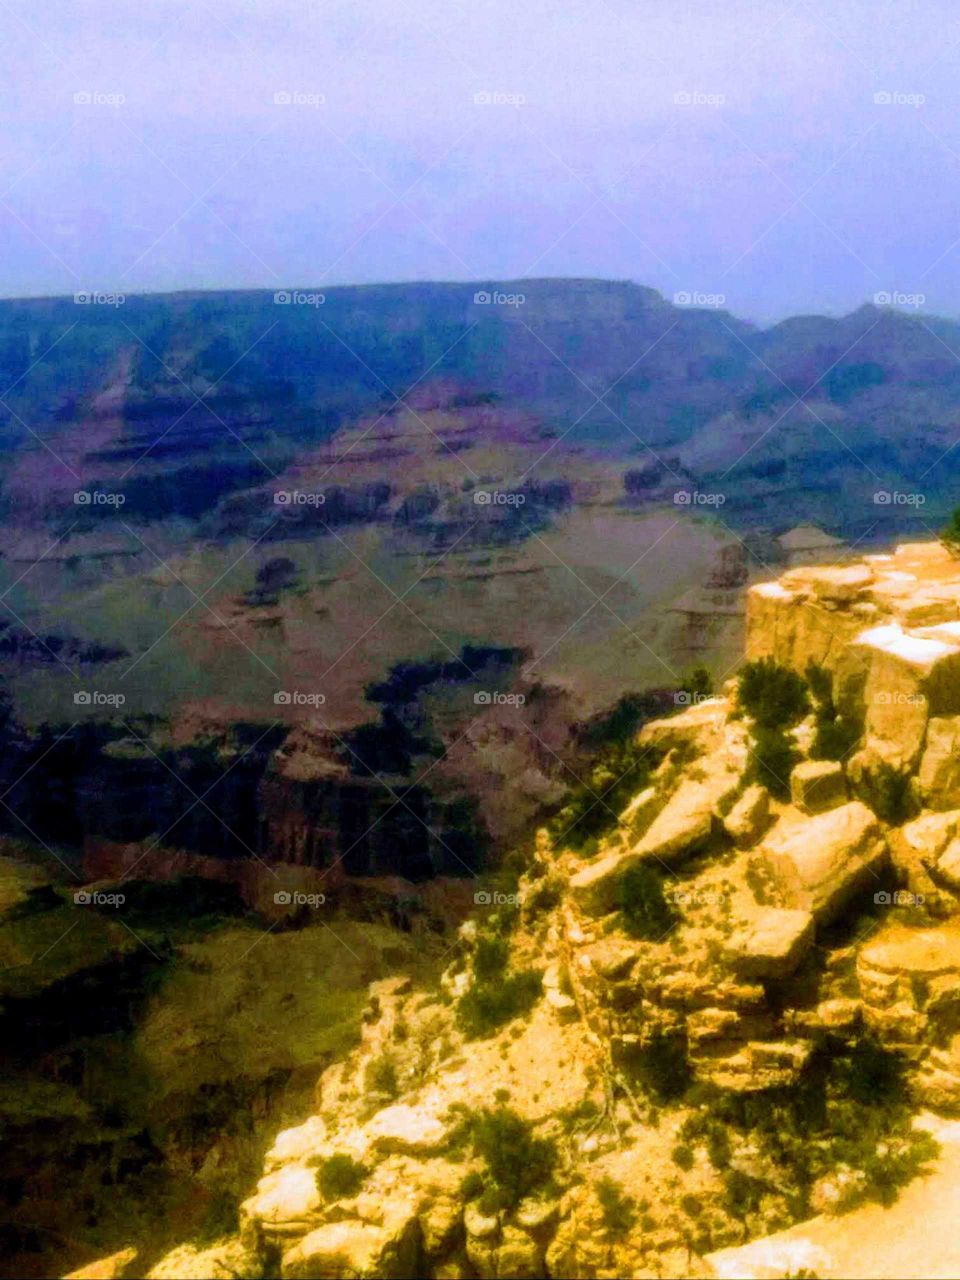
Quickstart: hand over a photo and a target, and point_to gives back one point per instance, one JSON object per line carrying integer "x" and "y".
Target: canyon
{"x": 720, "y": 1037}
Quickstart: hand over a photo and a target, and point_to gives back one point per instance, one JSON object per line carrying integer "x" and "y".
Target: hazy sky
{"x": 728, "y": 148}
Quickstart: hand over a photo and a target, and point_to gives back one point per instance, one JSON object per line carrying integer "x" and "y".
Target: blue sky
{"x": 791, "y": 157}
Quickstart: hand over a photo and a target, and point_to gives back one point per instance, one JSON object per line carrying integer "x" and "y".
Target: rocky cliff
{"x": 719, "y": 1020}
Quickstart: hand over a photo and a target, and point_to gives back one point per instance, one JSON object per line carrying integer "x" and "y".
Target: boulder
{"x": 519, "y": 1256}
{"x": 818, "y": 785}
{"x": 948, "y": 866}
{"x": 407, "y": 1130}
{"x": 594, "y": 888}
{"x": 640, "y": 812}
{"x": 747, "y": 820}
{"x": 822, "y": 861}
{"x": 696, "y": 726}
{"x": 772, "y": 944}
{"x": 939, "y": 774}
{"x": 759, "y": 1064}
{"x": 909, "y": 677}
{"x": 286, "y": 1203}
{"x": 689, "y": 818}
{"x": 226, "y": 1260}
{"x": 909, "y": 981}
{"x": 350, "y": 1249}
{"x": 299, "y": 1145}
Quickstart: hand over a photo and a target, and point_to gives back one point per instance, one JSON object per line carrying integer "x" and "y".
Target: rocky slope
{"x": 722, "y": 1018}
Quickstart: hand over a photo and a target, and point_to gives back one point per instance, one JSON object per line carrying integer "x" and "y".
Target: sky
{"x": 785, "y": 157}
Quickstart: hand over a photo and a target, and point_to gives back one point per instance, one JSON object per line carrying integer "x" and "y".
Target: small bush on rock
{"x": 340, "y": 1176}
{"x": 516, "y": 1163}
{"x": 772, "y": 761}
{"x": 642, "y": 904}
{"x": 619, "y": 1211}
{"x": 774, "y": 696}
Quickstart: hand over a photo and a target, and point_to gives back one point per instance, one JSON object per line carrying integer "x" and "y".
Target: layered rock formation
{"x": 716, "y": 937}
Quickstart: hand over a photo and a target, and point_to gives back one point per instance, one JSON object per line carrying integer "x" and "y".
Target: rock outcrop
{"x": 715, "y": 935}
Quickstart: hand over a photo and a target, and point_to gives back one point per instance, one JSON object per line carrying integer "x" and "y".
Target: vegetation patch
{"x": 849, "y": 1114}
{"x": 776, "y": 699}
{"x": 340, "y": 1176}
{"x": 516, "y": 1163}
{"x": 642, "y": 904}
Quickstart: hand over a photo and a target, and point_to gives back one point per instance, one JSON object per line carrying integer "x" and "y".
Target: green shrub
{"x": 849, "y": 1109}
{"x": 516, "y": 1163}
{"x": 774, "y": 696}
{"x": 619, "y": 1211}
{"x": 772, "y": 759}
{"x": 488, "y": 1005}
{"x": 380, "y": 1076}
{"x": 950, "y": 534}
{"x": 641, "y": 902}
{"x": 887, "y": 791}
{"x": 340, "y": 1176}
{"x": 683, "y": 1156}
{"x": 662, "y": 1065}
{"x": 619, "y": 771}
{"x": 836, "y": 734}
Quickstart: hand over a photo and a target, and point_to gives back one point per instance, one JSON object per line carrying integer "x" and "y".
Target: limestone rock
{"x": 747, "y": 820}
{"x": 772, "y": 944}
{"x": 114, "y": 1267}
{"x": 909, "y": 980}
{"x": 948, "y": 865}
{"x": 350, "y": 1249}
{"x": 297, "y": 1145}
{"x": 564, "y": 1006}
{"x": 594, "y": 888}
{"x": 407, "y": 1130}
{"x": 760, "y": 1064}
{"x": 285, "y": 1204}
{"x": 690, "y": 817}
{"x": 818, "y": 785}
{"x": 696, "y": 726}
{"x": 519, "y": 1256}
{"x": 226, "y": 1260}
{"x": 441, "y": 1223}
{"x": 821, "y": 861}
{"x": 939, "y": 775}
{"x": 639, "y": 813}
